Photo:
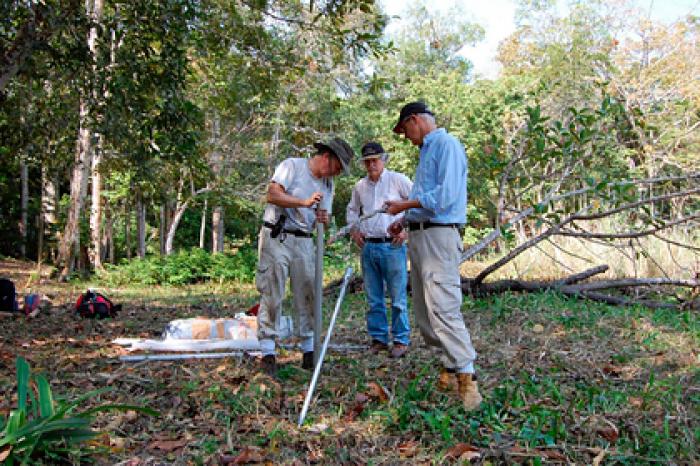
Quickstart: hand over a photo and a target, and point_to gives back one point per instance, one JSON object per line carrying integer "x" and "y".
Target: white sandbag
{"x": 241, "y": 327}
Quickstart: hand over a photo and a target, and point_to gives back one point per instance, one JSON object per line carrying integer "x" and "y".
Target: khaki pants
{"x": 293, "y": 258}
{"x": 437, "y": 294}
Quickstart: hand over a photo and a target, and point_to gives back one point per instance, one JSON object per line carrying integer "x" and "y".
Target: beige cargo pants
{"x": 435, "y": 255}
{"x": 294, "y": 258}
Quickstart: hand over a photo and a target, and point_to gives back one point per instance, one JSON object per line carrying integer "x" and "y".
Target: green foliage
{"x": 45, "y": 428}
{"x": 184, "y": 267}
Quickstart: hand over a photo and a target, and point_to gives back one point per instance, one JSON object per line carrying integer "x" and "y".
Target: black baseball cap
{"x": 340, "y": 149}
{"x": 372, "y": 150}
{"x": 413, "y": 108}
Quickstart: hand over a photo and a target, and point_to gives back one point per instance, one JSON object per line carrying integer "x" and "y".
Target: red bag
{"x": 94, "y": 305}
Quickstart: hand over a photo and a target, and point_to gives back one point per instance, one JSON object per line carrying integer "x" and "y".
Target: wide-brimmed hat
{"x": 413, "y": 108}
{"x": 340, "y": 149}
{"x": 372, "y": 150}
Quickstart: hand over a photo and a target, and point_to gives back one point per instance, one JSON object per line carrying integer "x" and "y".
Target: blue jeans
{"x": 384, "y": 269}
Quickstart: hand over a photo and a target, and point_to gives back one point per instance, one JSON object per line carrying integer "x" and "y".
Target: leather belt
{"x": 297, "y": 233}
{"x": 378, "y": 240}
{"x": 412, "y": 226}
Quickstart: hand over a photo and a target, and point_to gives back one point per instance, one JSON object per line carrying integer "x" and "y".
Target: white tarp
{"x": 204, "y": 334}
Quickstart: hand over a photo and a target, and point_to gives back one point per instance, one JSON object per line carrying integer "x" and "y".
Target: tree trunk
{"x": 203, "y": 225}
{"x": 95, "y": 251}
{"x": 174, "y": 223}
{"x": 83, "y": 157}
{"x": 217, "y": 229}
{"x": 39, "y": 240}
{"x": 24, "y": 203}
{"x": 78, "y": 189}
{"x": 178, "y": 212}
{"x": 141, "y": 228}
{"x": 127, "y": 230}
{"x": 49, "y": 201}
{"x": 162, "y": 230}
{"x": 108, "y": 240}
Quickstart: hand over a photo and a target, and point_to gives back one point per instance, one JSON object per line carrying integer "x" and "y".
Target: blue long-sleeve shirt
{"x": 441, "y": 180}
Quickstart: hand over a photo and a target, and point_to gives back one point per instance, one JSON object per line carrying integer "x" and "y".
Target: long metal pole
{"x": 317, "y": 369}
{"x": 318, "y": 294}
{"x": 177, "y": 357}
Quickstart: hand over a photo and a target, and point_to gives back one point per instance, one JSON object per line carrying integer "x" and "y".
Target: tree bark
{"x": 217, "y": 229}
{"x": 49, "y": 201}
{"x": 140, "y": 228}
{"x": 78, "y": 189}
{"x": 107, "y": 241}
{"x": 163, "y": 229}
{"x": 24, "y": 203}
{"x": 127, "y": 230}
{"x": 95, "y": 251}
{"x": 175, "y": 222}
{"x": 203, "y": 225}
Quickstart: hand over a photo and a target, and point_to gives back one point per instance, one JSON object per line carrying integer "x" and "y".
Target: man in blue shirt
{"x": 437, "y": 210}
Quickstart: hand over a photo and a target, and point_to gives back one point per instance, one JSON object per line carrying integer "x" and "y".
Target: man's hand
{"x": 322, "y": 215}
{"x": 394, "y": 207}
{"x": 395, "y": 229}
{"x": 358, "y": 238}
{"x": 399, "y": 239}
{"x": 313, "y": 199}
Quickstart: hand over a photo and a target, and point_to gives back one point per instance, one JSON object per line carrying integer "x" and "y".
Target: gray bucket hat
{"x": 340, "y": 149}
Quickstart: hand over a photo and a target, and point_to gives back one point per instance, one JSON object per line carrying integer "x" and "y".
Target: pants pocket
{"x": 262, "y": 278}
{"x": 446, "y": 293}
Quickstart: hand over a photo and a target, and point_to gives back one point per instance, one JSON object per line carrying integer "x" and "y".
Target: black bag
{"x": 8, "y": 297}
{"x": 94, "y": 305}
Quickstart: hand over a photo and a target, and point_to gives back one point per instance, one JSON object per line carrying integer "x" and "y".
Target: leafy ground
{"x": 564, "y": 381}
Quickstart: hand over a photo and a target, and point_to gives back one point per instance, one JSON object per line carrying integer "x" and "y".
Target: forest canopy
{"x": 139, "y": 129}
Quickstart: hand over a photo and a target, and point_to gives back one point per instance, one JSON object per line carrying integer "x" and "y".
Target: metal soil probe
{"x": 322, "y": 353}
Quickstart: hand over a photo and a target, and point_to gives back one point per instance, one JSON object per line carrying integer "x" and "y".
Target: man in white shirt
{"x": 285, "y": 246}
{"x": 383, "y": 258}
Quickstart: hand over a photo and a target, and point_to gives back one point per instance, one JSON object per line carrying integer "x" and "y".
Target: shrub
{"x": 184, "y": 267}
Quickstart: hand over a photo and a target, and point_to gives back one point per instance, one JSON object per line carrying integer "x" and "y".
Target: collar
{"x": 428, "y": 139}
{"x": 381, "y": 177}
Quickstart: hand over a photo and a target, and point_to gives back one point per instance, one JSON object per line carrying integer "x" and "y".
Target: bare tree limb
{"x": 676, "y": 243}
{"x": 632, "y": 234}
{"x": 632, "y": 205}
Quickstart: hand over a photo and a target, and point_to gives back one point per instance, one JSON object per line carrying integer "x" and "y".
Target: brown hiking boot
{"x": 268, "y": 364}
{"x": 307, "y": 360}
{"x": 399, "y": 350}
{"x": 468, "y": 391}
{"x": 377, "y": 347}
{"x": 447, "y": 382}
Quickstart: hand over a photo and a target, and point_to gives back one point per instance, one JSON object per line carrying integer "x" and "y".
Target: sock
{"x": 468, "y": 369}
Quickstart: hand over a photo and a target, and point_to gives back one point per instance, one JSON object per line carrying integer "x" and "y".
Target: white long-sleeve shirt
{"x": 368, "y": 196}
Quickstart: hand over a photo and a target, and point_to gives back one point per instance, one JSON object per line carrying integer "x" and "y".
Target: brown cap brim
{"x": 324, "y": 147}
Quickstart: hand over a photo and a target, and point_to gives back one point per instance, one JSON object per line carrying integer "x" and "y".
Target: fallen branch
{"x": 568, "y": 286}
{"x": 619, "y": 301}
{"x": 472, "y": 287}
{"x": 632, "y": 282}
